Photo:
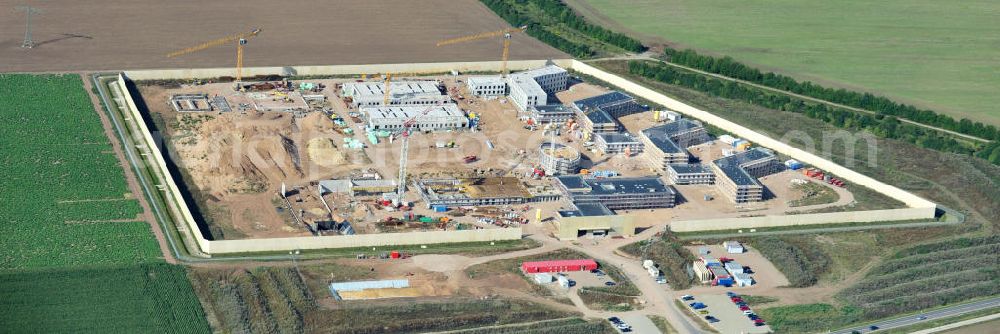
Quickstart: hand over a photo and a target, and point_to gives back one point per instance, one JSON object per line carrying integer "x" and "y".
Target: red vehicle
{"x": 737, "y": 299}
{"x": 759, "y": 321}
{"x": 725, "y": 259}
{"x": 744, "y": 308}
{"x": 470, "y": 159}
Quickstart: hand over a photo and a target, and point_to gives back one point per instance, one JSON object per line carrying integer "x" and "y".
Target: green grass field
{"x": 939, "y": 55}
{"x": 76, "y": 259}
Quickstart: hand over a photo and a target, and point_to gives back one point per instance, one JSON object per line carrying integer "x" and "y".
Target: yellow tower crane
{"x": 240, "y": 39}
{"x": 505, "y": 33}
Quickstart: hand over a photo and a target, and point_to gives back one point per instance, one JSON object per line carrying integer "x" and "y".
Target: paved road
{"x": 946, "y": 312}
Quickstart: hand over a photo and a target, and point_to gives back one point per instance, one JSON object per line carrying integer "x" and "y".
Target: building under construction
{"x": 667, "y": 144}
{"x": 558, "y": 159}
{"x": 618, "y": 193}
{"x": 431, "y": 118}
{"x": 617, "y": 142}
{"x": 424, "y": 92}
{"x": 489, "y": 191}
{"x": 736, "y": 175}
{"x": 531, "y": 88}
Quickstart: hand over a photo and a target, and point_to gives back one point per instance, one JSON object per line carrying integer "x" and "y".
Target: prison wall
{"x": 870, "y": 216}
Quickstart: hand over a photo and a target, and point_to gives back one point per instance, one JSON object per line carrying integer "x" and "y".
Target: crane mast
{"x": 405, "y": 152}
{"x": 241, "y": 41}
{"x": 505, "y": 33}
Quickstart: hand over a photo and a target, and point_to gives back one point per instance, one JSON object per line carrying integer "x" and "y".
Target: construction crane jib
{"x": 505, "y": 33}
{"x": 240, "y": 40}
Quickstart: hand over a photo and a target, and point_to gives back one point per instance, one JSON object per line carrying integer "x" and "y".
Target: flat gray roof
{"x": 409, "y": 111}
{"x": 587, "y": 210}
{"x": 661, "y": 135}
{"x": 619, "y": 185}
{"x": 617, "y": 137}
{"x": 732, "y": 165}
{"x": 689, "y": 168}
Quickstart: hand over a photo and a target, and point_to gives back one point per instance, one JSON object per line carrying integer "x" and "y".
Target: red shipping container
{"x": 558, "y": 266}
{"x": 394, "y": 254}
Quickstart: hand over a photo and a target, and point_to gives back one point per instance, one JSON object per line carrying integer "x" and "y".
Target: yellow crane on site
{"x": 505, "y": 33}
{"x": 241, "y": 41}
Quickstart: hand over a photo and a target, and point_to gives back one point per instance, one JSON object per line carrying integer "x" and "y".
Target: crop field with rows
{"x": 77, "y": 258}
{"x": 64, "y": 197}
{"x": 276, "y": 300}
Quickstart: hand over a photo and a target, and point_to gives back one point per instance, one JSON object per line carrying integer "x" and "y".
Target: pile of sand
{"x": 323, "y": 152}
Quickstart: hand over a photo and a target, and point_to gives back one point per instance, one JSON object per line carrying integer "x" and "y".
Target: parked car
{"x": 873, "y": 328}
{"x": 711, "y": 319}
{"x": 923, "y": 317}
{"x": 737, "y": 300}
{"x": 687, "y": 297}
{"x": 758, "y": 321}
{"x": 753, "y": 316}
{"x": 614, "y": 320}
{"x": 758, "y": 324}
{"x": 661, "y": 280}
{"x": 731, "y": 294}
{"x": 704, "y": 312}
{"x": 744, "y": 308}
{"x": 697, "y": 305}
{"x": 747, "y": 312}
{"x": 609, "y": 283}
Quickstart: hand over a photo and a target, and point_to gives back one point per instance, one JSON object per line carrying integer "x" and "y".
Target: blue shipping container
{"x": 440, "y": 208}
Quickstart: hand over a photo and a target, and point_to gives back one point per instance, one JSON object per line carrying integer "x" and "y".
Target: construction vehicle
{"x": 505, "y": 33}
{"x": 241, "y": 41}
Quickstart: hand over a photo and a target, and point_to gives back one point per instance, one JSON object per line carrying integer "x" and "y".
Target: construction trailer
{"x": 733, "y": 247}
{"x": 558, "y": 266}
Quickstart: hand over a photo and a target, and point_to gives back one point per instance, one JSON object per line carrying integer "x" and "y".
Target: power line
{"x": 28, "y": 10}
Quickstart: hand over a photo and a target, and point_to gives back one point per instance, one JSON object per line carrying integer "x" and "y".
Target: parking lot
{"x": 731, "y": 319}
{"x": 640, "y": 324}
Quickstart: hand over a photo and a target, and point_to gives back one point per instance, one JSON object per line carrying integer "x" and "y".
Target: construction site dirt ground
{"x": 238, "y": 160}
{"x": 293, "y": 33}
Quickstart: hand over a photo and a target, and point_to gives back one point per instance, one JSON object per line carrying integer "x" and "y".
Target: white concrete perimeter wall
{"x": 364, "y": 240}
{"x": 805, "y": 219}
{"x": 919, "y": 208}
{"x": 417, "y": 68}
{"x": 159, "y": 163}
{"x": 361, "y": 240}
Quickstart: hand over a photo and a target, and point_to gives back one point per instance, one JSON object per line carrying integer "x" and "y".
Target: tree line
{"x": 541, "y": 16}
{"x": 884, "y": 126}
{"x": 731, "y": 68}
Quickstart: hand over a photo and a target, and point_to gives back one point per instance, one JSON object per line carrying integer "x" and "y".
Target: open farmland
{"x": 929, "y": 53}
{"x": 65, "y": 201}
{"x": 912, "y": 279}
{"x": 276, "y": 300}
{"x": 138, "y": 34}
{"x": 76, "y": 257}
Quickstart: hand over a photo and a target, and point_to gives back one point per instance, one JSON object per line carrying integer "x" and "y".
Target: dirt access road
{"x": 96, "y": 35}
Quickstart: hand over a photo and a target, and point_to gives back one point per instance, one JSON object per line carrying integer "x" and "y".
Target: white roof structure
{"x": 399, "y": 88}
{"x": 548, "y": 69}
{"x": 486, "y": 80}
{"x": 408, "y": 111}
{"x": 527, "y": 84}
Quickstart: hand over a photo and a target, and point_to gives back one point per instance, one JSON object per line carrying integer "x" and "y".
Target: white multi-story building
{"x": 551, "y": 78}
{"x": 439, "y": 117}
{"x": 525, "y": 92}
{"x": 491, "y": 85}
{"x": 532, "y": 88}
{"x": 423, "y": 92}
